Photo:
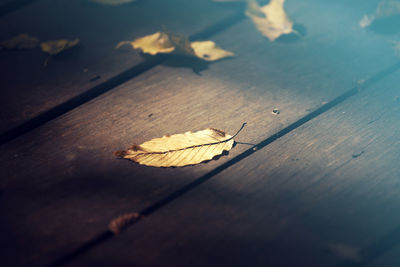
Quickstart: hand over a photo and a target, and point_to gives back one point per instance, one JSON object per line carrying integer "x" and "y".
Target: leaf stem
{"x": 241, "y": 128}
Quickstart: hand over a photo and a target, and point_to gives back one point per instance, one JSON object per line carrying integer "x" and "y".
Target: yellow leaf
{"x": 164, "y": 43}
{"x": 112, "y": 2}
{"x": 386, "y": 8}
{"x": 180, "y": 149}
{"x": 271, "y": 20}
{"x": 152, "y": 44}
{"x": 21, "y": 41}
{"x": 209, "y": 51}
{"x": 56, "y": 47}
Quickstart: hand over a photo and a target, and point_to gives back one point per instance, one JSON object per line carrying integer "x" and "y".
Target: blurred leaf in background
{"x": 21, "y": 41}
{"x": 168, "y": 43}
{"x": 386, "y": 8}
{"x": 271, "y": 20}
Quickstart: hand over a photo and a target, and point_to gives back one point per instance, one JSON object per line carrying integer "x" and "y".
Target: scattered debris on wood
{"x": 276, "y": 111}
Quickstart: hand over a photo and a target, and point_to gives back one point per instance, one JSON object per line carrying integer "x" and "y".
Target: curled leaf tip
{"x": 271, "y": 20}
{"x": 119, "y": 154}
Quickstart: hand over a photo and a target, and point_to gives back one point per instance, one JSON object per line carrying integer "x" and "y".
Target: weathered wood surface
{"x": 326, "y": 194}
{"x": 37, "y": 88}
{"x": 62, "y": 185}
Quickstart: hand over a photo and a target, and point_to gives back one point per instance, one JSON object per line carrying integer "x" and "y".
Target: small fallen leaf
{"x": 152, "y": 44}
{"x": 55, "y": 47}
{"x": 180, "y": 149}
{"x": 112, "y": 2}
{"x": 386, "y": 8}
{"x": 123, "y": 221}
{"x": 209, "y": 51}
{"x": 271, "y": 20}
{"x": 21, "y": 41}
{"x": 168, "y": 43}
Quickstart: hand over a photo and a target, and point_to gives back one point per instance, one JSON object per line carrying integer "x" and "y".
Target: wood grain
{"x": 326, "y": 194}
{"x": 62, "y": 184}
{"x": 29, "y": 88}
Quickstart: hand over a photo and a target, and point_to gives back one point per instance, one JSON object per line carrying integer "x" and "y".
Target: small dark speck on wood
{"x": 95, "y": 78}
{"x": 276, "y": 111}
{"x": 356, "y": 155}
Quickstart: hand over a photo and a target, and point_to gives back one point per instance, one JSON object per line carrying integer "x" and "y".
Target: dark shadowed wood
{"x": 326, "y": 194}
{"x": 62, "y": 184}
{"x": 29, "y": 88}
{"x": 8, "y": 6}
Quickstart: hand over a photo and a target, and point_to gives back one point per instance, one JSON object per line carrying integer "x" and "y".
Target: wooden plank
{"x": 62, "y": 185}
{"x": 30, "y": 89}
{"x": 8, "y": 6}
{"x": 326, "y": 194}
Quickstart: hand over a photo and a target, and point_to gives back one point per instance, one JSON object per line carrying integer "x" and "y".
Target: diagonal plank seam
{"x": 110, "y": 84}
{"x": 108, "y": 234}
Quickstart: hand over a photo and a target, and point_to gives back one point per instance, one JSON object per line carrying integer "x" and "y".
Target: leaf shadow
{"x": 197, "y": 65}
{"x": 177, "y": 61}
{"x": 226, "y": 153}
{"x": 217, "y": 157}
{"x": 73, "y": 52}
{"x": 300, "y": 31}
{"x": 386, "y": 26}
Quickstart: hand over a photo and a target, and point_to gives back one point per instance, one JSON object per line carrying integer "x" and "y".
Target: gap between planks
{"x": 107, "y": 235}
{"x": 111, "y": 83}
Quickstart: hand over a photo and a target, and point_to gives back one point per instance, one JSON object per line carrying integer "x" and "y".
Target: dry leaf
{"x": 271, "y": 20}
{"x": 180, "y": 149}
{"x": 120, "y": 223}
{"x": 55, "y": 47}
{"x": 209, "y": 51}
{"x": 21, "y": 41}
{"x": 164, "y": 43}
{"x": 386, "y": 8}
{"x": 112, "y": 2}
{"x": 153, "y": 44}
